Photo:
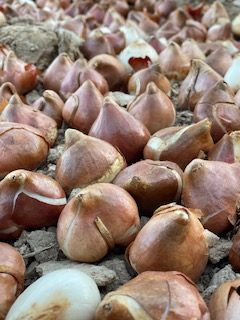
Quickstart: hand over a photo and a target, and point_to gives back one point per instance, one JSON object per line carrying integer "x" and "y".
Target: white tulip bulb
{"x": 66, "y": 294}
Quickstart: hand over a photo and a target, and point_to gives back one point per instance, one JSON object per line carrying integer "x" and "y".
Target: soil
{"x": 37, "y": 44}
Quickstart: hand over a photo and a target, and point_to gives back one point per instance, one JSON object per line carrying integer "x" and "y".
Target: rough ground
{"x": 39, "y": 45}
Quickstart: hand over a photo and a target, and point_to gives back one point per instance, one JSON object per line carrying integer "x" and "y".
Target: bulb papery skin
{"x": 232, "y": 74}
{"x": 102, "y": 214}
{"x": 28, "y": 200}
{"x": 153, "y": 108}
{"x": 180, "y": 144}
{"x": 64, "y": 294}
{"x": 173, "y": 239}
{"x": 224, "y": 303}
{"x": 218, "y": 205}
{"x": 152, "y": 296}
{"x": 87, "y": 160}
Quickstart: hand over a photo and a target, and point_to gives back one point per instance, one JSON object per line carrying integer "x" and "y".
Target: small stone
{"x": 118, "y": 265}
{"x": 55, "y": 154}
{"x": 100, "y": 274}
{"x": 223, "y": 275}
{"x": 44, "y": 245}
{"x": 219, "y": 250}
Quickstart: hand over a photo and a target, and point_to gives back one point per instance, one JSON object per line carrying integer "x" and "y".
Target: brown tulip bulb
{"x": 221, "y": 31}
{"x": 165, "y": 7}
{"x": 70, "y": 82}
{"x": 220, "y": 60}
{"x": 94, "y": 221}
{"x": 117, "y": 126}
{"x": 153, "y": 108}
{"x": 217, "y": 12}
{"x": 117, "y": 40}
{"x": 87, "y": 160}
{"x": 193, "y": 30}
{"x": 12, "y": 268}
{"x": 28, "y": 200}
{"x": 138, "y": 82}
{"x": 227, "y": 149}
{"x": 82, "y": 108}
{"x": 152, "y": 296}
{"x": 17, "y": 111}
{"x": 172, "y": 240}
{"x": 234, "y": 254}
{"x": 224, "y": 303}
{"x": 217, "y": 104}
{"x": 23, "y": 76}
{"x": 7, "y": 90}
{"x": 95, "y": 45}
{"x": 56, "y": 72}
{"x": 26, "y": 146}
{"x": 180, "y": 144}
{"x": 168, "y": 30}
{"x": 97, "y": 12}
{"x": 191, "y": 49}
{"x": 76, "y": 25}
{"x": 237, "y": 98}
{"x": 200, "y": 78}
{"x": 51, "y": 105}
{"x": 219, "y": 203}
{"x": 174, "y": 63}
{"x": 151, "y": 183}
{"x": 111, "y": 69}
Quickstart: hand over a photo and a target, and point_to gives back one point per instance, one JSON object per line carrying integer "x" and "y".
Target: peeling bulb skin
{"x": 180, "y": 144}
{"x": 154, "y": 295}
{"x": 200, "y": 78}
{"x": 219, "y": 204}
{"x": 63, "y": 294}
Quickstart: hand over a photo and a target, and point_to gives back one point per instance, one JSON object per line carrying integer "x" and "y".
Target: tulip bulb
{"x": 87, "y": 160}
{"x": 51, "y": 105}
{"x": 200, "y": 78}
{"x": 56, "y": 72}
{"x": 227, "y": 149}
{"x": 220, "y": 31}
{"x": 153, "y": 108}
{"x": 193, "y": 30}
{"x": 23, "y": 76}
{"x": 141, "y": 50}
{"x": 224, "y": 303}
{"x": 232, "y": 74}
{"x": 123, "y": 131}
{"x": 217, "y": 104}
{"x": 220, "y": 60}
{"x": 12, "y": 268}
{"x": 180, "y": 144}
{"x": 111, "y": 69}
{"x": 100, "y": 216}
{"x": 29, "y": 200}
{"x": 172, "y": 240}
{"x": 17, "y": 111}
{"x": 82, "y": 108}
{"x": 7, "y": 90}
{"x": 191, "y": 49}
{"x": 154, "y": 295}
{"x": 217, "y": 12}
{"x": 26, "y": 145}
{"x": 63, "y": 294}
{"x": 174, "y": 63}
{"x": 236, "y": 26}
{"x": 138, "y": 82}
{"x": 219, "y": 204}
{"x": 151, "y": 183}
